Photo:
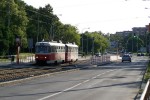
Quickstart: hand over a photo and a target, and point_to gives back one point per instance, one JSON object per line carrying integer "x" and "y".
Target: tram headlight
{"x": 45, "y": 57}
{"x": 36, "y": 57}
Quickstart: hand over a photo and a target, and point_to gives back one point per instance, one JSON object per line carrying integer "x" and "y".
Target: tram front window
{"x": 42, "y": 49}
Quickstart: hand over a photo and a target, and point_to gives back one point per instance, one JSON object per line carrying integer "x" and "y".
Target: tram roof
{"x": 50, "y": 43}
{"x": 71, "y": 45}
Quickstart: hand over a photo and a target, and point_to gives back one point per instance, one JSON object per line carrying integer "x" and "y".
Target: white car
{"x": 98, "y": 54}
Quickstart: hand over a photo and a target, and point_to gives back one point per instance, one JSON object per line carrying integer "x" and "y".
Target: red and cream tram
{"x": 71, "y": 53}
{"x": 54, "y": 52}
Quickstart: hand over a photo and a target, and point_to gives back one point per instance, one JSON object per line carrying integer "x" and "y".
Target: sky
{"x": 107, "y": 16}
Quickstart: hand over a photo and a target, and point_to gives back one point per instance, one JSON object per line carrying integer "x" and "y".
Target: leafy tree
{"x": 13, "y": 23}
{"x": 96, "y": 38}
{"x": 70, "y": 34}
{"x": 135, "y": 43}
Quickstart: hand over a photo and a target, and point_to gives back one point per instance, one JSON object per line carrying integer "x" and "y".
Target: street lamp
{"x": 18, "y": 42}
{"x": 52, "y": 27}
{"x": 127, "y": 45}
{"x": 82, "y": 37}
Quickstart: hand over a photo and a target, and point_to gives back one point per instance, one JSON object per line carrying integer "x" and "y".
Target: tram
{"x": 55, "y": 52}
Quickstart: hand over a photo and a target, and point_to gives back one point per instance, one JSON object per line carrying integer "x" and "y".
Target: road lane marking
{"x": 49, "y": 96}
{"x": 71, "y": 87}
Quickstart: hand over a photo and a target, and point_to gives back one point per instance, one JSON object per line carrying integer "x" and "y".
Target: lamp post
{"x": 117, "y": 49}
{"x": 18, "y": 48}
{"x": 137, "y": 43}
{"x": 127, "y": 45}
{"x": 93, "y": 47}
{"x": 82, "y": 37}
{"x": 52, "y": 27}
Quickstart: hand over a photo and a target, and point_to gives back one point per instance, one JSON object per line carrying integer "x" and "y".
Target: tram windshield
{"x": 42, "y": 49}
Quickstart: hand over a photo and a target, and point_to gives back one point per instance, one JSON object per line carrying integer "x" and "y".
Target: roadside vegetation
{"x": 147, "y": 74}
{"x": 31, "y": 25}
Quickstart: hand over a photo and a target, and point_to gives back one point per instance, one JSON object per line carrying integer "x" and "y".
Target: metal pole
{"x": 82, "y": 42}
{"x": 137, "y": 44}
{"x": 8, "y": 1}
{"x": 38, "y": 28}
{"x": 132, "y": 42}
{"x": 18, "y": 54}
{"x": 117, "y": 49}
{"x": 52, "y": 31}
{"x": 82, "y": 37}
{"x": 127, "y": 45}
{"x": 93, "y": 47}
{"x": 146, "y": 43}
{"x": 87, "y": 45}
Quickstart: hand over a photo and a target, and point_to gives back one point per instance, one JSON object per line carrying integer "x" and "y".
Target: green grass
{"x": 26, "y": 54}
{"x": 4, "y": 60}
{"x": 21, "y": 56}
{"x": 147, "y": 74}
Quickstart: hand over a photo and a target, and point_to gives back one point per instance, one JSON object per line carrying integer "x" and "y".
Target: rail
{"x": 146, "y": 93}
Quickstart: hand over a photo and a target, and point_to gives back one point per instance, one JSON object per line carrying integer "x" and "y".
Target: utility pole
{"x": 93, "y": 47}
{"x": 38, "y": 29}
{"x": 82, "y": 38}
{"x": 87, "y": 45}
{"x": 132, "y": 42}
{"x": 8, "y": 30}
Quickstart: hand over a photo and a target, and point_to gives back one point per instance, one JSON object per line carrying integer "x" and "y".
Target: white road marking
{"x": 49, "y": 96}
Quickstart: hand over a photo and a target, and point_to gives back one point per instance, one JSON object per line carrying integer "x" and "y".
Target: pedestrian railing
{"x": 96, "y": 60}
{"x": 146, "y": 92}
{"x": 13, "y": 59}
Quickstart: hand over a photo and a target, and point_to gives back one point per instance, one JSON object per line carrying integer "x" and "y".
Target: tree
{"x": 70, "y": 34}
{"x": 100, "y": 42}
{"x": 134, "y": 42}
{"x": 13, "y": 23}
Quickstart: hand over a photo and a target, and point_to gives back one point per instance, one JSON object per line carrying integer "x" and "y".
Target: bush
{"x": 147, "y": 74}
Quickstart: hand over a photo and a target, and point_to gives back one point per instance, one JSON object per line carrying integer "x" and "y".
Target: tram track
{"x": 9, "y": 74}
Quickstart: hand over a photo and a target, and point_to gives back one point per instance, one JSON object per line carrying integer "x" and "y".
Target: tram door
{"x": 68, "y": 54}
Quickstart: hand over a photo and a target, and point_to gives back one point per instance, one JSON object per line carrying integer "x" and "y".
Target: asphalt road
{"x": 116, "y": 81}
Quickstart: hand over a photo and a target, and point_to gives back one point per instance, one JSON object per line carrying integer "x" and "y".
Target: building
{"x": 139, "y": 30}
{"x": 124, "y": 33}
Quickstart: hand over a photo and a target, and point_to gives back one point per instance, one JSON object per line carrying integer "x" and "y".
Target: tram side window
{"x": 53, "y": 49}
{"x": 49, "y": 49}
{"x": 58, "y": 49}
{"x": 76, "y": 49}
{"x": 63, "y": 49}
{"x": 69, "y": 49}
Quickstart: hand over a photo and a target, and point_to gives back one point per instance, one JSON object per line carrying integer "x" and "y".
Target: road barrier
{"x": 96, "y": 60}
{"x": 146, "y": 92}
{"x": 4, "y": 60}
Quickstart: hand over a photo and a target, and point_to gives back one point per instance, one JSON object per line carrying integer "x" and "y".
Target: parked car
{"x": 142, "y": 54}
{"x": 139, "y": 54}
{"x": 98, "y": 54}
{"x": 126, "y": 57}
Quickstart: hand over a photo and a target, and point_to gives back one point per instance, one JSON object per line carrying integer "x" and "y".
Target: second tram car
{"x": 54, "y": 52}
{"x": 71, "y": 53}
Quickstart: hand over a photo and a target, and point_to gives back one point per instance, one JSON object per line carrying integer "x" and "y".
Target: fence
{"x": 13, "y": 59}
{"x": 146, "y": 92}
{"x": 95, "y": 60}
